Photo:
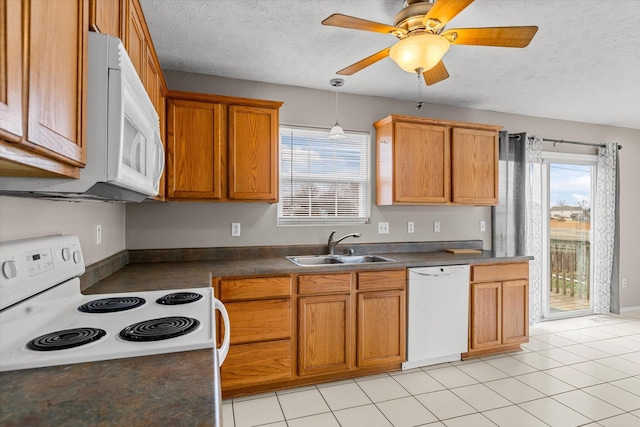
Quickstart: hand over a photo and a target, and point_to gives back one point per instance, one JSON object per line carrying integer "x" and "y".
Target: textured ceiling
{"x": 583, "y": 64}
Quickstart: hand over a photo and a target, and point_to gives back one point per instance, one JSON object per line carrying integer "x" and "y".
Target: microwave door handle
{"x": 160, "y": 160}
{"x": 135, "y": 148}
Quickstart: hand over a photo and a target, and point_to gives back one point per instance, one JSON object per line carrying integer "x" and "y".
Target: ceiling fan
{"x": 423, "y": 38}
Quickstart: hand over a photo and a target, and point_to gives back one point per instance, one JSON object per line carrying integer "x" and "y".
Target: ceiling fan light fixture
{"x": 420, "y": 51}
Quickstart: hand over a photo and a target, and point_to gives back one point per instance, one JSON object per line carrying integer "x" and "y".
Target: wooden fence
{"x": 570, "y": 267}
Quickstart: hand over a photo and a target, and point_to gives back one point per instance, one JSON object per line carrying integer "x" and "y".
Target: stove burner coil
{"x": 111, "y": 305}
{"x": 179, "y": 298}
{"x": 159, "y": 329}
{"x": 67, "y": 338}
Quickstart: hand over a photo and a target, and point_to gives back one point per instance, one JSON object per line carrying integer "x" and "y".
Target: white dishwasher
{"x": 438, "y": 315}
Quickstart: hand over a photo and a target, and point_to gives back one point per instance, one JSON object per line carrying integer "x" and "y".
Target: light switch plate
{"x": 436, "y": 226}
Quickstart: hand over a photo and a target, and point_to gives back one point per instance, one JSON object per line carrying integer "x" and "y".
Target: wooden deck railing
{"x": 570, "y": 267}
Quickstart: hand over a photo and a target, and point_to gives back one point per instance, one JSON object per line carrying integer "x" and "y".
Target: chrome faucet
{"x": 333, "y": 243}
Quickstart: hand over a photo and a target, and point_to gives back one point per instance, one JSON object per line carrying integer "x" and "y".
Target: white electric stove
{"x": 46, "y": 321}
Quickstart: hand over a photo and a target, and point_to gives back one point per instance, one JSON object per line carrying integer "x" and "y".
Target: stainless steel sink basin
{"x": 314, "y": 260}
{"x": 318, "y": 260}
{"x": 359, "y": 259}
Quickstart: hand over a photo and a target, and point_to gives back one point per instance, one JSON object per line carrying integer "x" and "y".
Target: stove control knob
{"x": 66, "y": 254}
{"x": 9, "y": 269}
{"x": 77, "y": 257}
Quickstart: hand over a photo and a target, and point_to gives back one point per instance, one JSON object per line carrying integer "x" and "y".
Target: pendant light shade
{"x": 336, "y": 131}
{"x": 422, "y": 51}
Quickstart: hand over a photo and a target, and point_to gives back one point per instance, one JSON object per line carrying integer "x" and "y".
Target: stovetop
{"x": 46, "y": 321}
{"x": 57, "y": 310}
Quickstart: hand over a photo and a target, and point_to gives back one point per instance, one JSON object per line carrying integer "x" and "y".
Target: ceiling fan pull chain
{"x": 420, "y": 102}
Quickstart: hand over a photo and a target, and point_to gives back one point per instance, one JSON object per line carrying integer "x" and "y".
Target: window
{"x": 323, "y": 181}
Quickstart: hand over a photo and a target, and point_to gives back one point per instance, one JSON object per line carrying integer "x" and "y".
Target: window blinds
{"x": 323, "y": 180}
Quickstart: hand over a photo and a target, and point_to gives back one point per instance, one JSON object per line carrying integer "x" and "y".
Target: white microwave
{"x": 125, "y": 156}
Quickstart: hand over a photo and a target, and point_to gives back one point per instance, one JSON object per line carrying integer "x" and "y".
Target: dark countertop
{"x": 169, "y": 389}
{"x": 147, "y": 276}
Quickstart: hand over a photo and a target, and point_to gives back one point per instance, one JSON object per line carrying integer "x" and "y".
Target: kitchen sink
{"x": 318, "y": 260}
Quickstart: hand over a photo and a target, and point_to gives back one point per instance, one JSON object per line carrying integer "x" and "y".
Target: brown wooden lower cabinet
{"x": 260, "y": 316}
{"x": 381, "y": 327}
{"x": 327, "y": 327}
{"x": 324, "y": 334}
{"x": 498, "y": 308}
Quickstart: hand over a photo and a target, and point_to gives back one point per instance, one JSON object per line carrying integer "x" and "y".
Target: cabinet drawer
{"x": 499, "y": 272}
{"x": 255, "y": 288}
{"x": 259, "y": 363}
{"x": 254, "y": 321}
{"x": 324, "y": 284}
{"x": 378, "y": 280}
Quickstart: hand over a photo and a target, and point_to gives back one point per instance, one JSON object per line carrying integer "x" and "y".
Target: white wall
{"x": 23, "y": 218}
{"x": 174, "y": 225}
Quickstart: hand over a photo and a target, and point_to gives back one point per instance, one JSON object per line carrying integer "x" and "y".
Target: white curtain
{"x": 606, "y": 232}
{"x": 533, "y": 197}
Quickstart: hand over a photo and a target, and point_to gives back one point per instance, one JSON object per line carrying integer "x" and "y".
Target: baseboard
{"x": 625, "y": 309}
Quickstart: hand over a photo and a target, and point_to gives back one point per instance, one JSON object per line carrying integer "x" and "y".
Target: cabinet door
{"x": 58, "y": 33}
{"x": 11, "y": 70}
{"x": 486, "y": 315}
{"x": 135, "y": 41}
{"x": 324, "y": 334}
{"x": 515, "y": 311}
{"x": 106, "y": 16}
{"x": 253, "y": 153}
{"x": 474, "y": 167}
{"x": 194, "y": 150}
{"x": 421, "y": 163}
{"x": 381, "y": 327}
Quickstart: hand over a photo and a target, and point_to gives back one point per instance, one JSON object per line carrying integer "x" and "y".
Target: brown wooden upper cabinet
{"x": 221, "y": 148}
{"x": 43, "y": 106}
{"x": 430, "y": 161}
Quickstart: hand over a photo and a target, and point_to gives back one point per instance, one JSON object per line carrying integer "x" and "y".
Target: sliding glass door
{"x": 569, "y": 182}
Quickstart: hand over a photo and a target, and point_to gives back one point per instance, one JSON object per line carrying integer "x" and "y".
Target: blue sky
{"x": 569, "y": 183}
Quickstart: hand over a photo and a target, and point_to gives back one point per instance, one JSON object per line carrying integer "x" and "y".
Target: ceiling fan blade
{"x": 364, "y": 63}
{"x": 436, "y": 74}
{"x": 345, "y": 21}
{"x": 492, "y": 36}
{"x": 445, "y": 10}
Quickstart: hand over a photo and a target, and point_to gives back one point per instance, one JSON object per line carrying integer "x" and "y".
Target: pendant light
{"x": 336, "y": 131}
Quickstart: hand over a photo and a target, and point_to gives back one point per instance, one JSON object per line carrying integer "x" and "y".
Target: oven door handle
{"x": 224, "y": 348}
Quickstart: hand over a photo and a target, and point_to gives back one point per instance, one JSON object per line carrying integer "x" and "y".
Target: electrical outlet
{"x": 483, "y": 226}
{"x": 410, "y": 227}
{"x": 235, "y": 229}
{"x": 98, "y": 234}
{"x": 383, "y": 228}
{"x": 436, "y": 226}
{"x": 624, "y": 283}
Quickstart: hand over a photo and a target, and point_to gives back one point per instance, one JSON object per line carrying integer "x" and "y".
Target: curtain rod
{"x": 562, "y": 141}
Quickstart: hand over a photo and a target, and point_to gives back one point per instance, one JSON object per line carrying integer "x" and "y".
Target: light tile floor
{"x": 573, "y": 372}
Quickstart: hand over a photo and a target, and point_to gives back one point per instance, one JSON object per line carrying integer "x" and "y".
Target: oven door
{"x": 134, "y": 148}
